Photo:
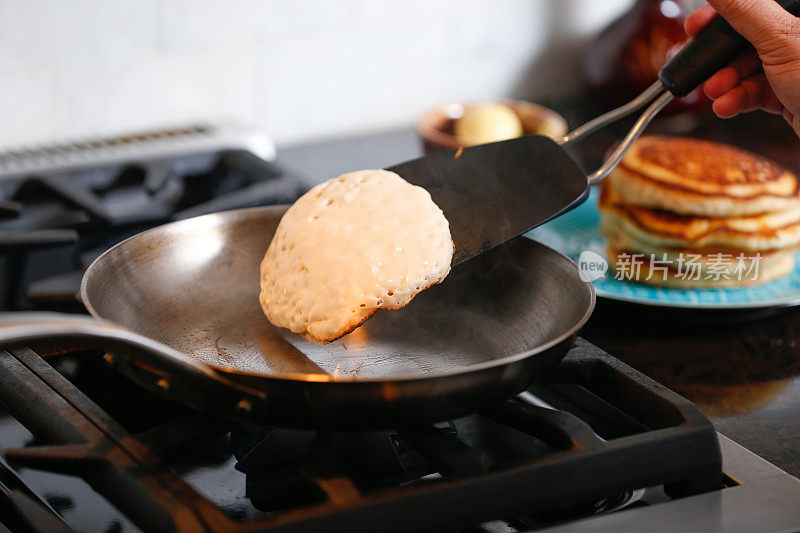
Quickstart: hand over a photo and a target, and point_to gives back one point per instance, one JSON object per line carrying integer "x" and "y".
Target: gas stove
{"x": 63, "y": 205}
{"x": 594, "y": 446}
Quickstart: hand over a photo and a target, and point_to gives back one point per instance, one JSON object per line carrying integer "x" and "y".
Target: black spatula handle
{"x": 712, "y": 49}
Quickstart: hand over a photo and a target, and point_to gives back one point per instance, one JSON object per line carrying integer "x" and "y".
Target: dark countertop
{"x": 742, "y": 370}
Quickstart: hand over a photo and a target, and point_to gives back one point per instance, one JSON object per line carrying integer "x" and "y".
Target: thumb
{"x": 762, "y": 22}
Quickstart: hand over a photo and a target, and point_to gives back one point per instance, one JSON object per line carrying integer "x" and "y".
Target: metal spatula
{"x": 494, "y": 192}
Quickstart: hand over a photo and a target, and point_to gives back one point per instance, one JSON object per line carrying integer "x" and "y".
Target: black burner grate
{"x": 518, "y": 462}
{"x": 51, "y": 224}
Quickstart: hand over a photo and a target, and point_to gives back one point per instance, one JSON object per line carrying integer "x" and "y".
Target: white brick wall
{"x": 296, "y": 68}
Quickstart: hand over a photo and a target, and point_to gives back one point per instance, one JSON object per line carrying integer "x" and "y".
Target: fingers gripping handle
{"x": 712, "y": 49}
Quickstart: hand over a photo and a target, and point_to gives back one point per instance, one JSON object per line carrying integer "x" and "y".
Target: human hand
{"x": 766, "y": 78}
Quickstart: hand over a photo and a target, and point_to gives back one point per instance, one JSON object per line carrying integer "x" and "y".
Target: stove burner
{"x": 49, "y": 222}
{"x": 524, "y": 464}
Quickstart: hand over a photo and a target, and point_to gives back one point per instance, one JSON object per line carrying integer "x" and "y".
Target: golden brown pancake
{"x": 703, "y": 178}
{"x": 741, "y": 267}
{"x": 702, "y": 256}
{"x": 669, "y": 275}
{"x": 661, "y": 228}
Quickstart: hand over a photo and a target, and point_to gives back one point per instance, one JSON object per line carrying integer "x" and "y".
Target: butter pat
{"x": 487, "y": 123}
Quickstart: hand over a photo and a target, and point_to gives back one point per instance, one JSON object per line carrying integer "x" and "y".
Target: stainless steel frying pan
{"x": 180, "y": 314}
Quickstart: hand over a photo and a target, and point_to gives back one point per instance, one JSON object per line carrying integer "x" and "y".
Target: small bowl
{"x": 436, "y": 127}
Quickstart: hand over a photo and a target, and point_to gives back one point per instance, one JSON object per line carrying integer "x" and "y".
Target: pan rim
{"x": 326, "y": 378}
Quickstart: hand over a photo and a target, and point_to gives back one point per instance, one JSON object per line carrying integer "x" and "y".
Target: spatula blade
{"x": 494, "y": 192}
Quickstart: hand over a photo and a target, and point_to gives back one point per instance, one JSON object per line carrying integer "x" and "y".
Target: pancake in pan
{"x": 364, "y": 241}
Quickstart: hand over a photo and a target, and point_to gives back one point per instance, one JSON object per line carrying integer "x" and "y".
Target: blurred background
{"x": 298, "y": 70}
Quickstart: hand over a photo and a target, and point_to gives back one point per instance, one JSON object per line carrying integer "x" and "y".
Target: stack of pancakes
{"x": 687, "y": 213}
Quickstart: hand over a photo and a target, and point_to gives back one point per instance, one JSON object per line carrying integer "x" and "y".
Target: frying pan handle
{"x": 712, "y": 49}
{"x": 168, "y": 370}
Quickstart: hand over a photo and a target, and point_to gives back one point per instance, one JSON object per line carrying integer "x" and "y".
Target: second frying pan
{"x": 183, "y": 300}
